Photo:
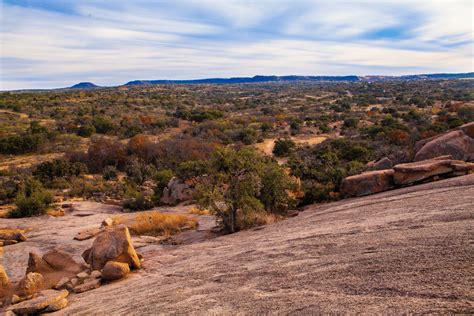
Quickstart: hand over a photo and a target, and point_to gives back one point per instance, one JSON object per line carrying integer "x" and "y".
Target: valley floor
{"x": 403, "y": 251}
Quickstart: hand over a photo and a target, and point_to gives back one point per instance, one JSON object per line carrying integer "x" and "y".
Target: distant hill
{"x": 263, "y": 79}
{"x": 441, "y": 76}
{"x": 254, "y": 79}
{"x": 84, "y": 85}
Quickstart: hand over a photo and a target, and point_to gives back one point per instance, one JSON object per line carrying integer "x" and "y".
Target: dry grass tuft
{"x": 198, "y": 211}
{"x": 156, "y": 223}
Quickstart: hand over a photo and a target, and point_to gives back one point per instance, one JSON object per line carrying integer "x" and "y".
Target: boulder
{"x": 32, "y": 283}
{"x": 4, "y": 280}
{"x": 455, "y": 143}
{"x": 61, "y": 261}
{"x": 39, "y": 303}
{"x": 384, "y": 163}
{"x": 468, "y": 129}
{"x": 38, "y": 264}
{"x": 176, "y": 191}
{"x": 114, "y": 244}
{"x": 56, "y": 306}
{"x": 87, "y": 286}
{"x": 367, "y": 183}
{"x": 115, "y": 270}
{"x": 408, "y": 173}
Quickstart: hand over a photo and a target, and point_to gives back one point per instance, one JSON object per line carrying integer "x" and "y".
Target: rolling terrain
{"x": 404, "y": 251}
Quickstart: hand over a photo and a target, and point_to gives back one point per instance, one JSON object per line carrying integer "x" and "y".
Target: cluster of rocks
{"x": 11, "y": 237}
{"x": 50, "y": 278}
{"x": 176, "y": 191}
{"x": 445, "y": 155}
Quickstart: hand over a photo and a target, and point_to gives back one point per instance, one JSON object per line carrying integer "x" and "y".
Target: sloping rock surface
{"x": 404, "y": 251}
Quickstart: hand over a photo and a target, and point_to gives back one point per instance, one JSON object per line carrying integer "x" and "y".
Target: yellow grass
{"x": 156, "y": 223}
{"x": 197, "y": 211}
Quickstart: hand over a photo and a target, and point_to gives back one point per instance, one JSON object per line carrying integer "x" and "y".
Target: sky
{"x": 57, "y": 43}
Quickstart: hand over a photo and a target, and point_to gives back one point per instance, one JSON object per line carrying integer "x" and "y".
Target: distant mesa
{"x": 84, "y": 85}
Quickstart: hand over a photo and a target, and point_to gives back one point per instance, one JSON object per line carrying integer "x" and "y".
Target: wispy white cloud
{"x": 61, "y": 42}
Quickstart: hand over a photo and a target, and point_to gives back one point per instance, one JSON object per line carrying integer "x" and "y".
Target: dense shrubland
{"x": 128, "y": 143}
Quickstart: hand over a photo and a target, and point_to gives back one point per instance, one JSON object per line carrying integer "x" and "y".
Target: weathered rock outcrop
{"x": 41, "y": 303}
{"x": 37, "y": 264}
{"x": 114, "y": 244}
{"x": 384, "y": 163}
{"x": 459, "y": 144}
{"x": 367, "y": 183}
{"x": 176, "y": 191}
{"x": 61, "y": 261}
{"x": 408, "y": 173}
{"x": 115, "y": 270}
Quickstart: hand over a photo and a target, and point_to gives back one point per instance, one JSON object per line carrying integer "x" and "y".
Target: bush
{"x": 162, "y": 178}
{"x": 136, "y": 201}
{"x": 240, "y": 186}
{"x": 32, "y": 200}
{"x": 140, "y": 172}
{"x": 86, "y": 130}
{"x": 283, "y": 147}
{"x": 20, "y": 144}
{"x": 59, "y": 168}
{"x": 110, "y": 173}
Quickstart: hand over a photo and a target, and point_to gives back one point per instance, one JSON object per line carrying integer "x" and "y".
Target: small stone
{"x": 107, "y": 222}
{"x": 9, "y": 313}
{"x": 32, "y": 283}
{"x": 62, "y": 283}
{"x": 15, "y": 299}
{"x": 87, "y": 234}
{"x": 115, "y": 270}
{"x": 74, "y": 281}
{"x": 87, "y": 286}
{"x": 83, "y": 275}
{"x": 96, "y": 274}
{"x": 56, "y": 306}
{"x": 39, "y": 303}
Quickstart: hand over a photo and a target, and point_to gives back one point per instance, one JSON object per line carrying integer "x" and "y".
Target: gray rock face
{"x": 176, "y": 191}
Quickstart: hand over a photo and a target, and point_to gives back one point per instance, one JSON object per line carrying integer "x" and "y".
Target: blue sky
{"x": 56, "y": 43}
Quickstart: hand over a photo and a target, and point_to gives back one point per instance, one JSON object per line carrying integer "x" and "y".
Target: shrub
{"x": 59, "y": 168}
{"x": 136, "y": 201}
{"x": 21, "y": 144}
{"x": 110, "y": 173}
{"x": 32, "y": 200}
{"x": 283, "y": 147}
{"x": 240, "y": 185}
{"x": 86, "y": 130}
{"x": 140, "y": 172}
{"x": 162, "y": 178}
{"x": 103, "y": 124}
